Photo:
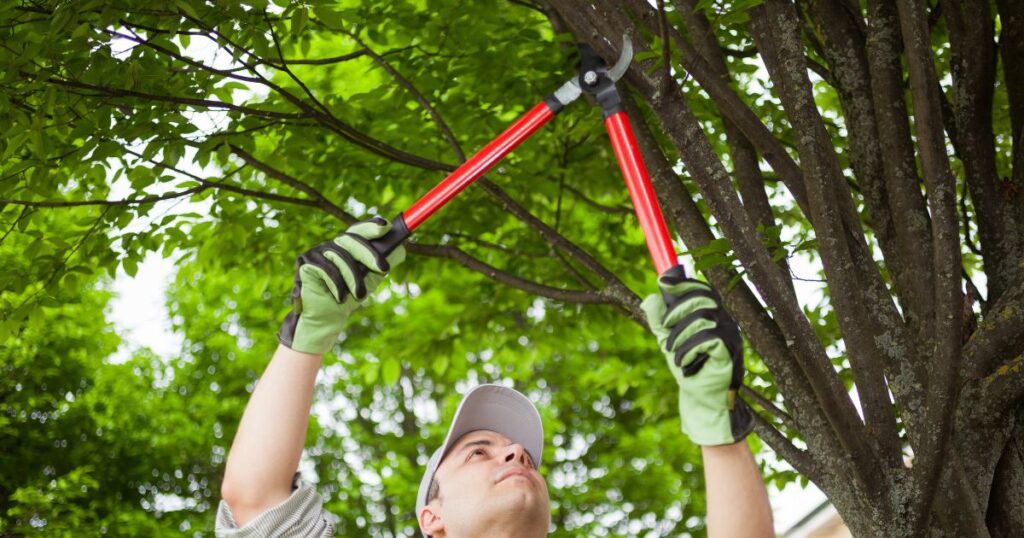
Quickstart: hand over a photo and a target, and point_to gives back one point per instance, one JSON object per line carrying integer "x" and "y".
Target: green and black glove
{"x": 331, "y": 280}
{"x": 704, "y": 350}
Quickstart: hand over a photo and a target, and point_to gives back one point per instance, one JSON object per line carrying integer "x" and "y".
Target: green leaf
{"x": 646, "y": 55}
{"x": 299, "y": 20}
{"x": 370, "y": 372}
{"x": 390, "y": 371}
{"x": 130, "y": 265}
{"x": 81, "y": 30}
{"x": 440, "y": 365}
{"x": 186, "y": 6}
{"x": 331, "y": 18}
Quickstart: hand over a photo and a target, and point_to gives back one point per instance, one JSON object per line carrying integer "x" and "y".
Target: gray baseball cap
{"x": 489, "y": 407}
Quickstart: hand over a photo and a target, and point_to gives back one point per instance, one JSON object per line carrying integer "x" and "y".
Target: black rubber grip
{"x": 553, "y": 103}
{"x": 676, "y": 273}
{"x": 390, "y": 241}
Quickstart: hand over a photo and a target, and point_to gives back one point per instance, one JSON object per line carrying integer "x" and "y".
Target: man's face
{"x": 489, "y": 482}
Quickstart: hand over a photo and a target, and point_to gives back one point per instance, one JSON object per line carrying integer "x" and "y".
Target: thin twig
{"x": 338, "y": 59}
{"x": 801, "y": 460}
{"x": 612, "y": 209}
{"x": 454, "y": 253}
{"x": 666, "y": 53}
{"x": 416, "y": 94}
{"x": 63, "y": 263}
{"x": 263, "y": 195}
{"x": 769, "y": 406}
{"x": 24, "y": 211}
{"x": 580, "y": 277}
{"x": 291, "y": 75}
{"x": 126, "y": 201}
{"x": 318, "y": 197}
{"x": 326, "y": 118}
{"x": 204, "y": 103}
{"x": 966, "y": 224}
{"x": 495, "y": 246}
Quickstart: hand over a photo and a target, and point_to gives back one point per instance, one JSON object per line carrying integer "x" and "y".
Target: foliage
{"x": 233, "y": 135}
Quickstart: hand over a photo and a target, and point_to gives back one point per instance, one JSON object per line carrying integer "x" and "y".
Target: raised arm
{"x": 331, "y": 281}
{"x": 704, "y": 350}
{"x": 737, "y": 499}
{"x": 270, "y": 438}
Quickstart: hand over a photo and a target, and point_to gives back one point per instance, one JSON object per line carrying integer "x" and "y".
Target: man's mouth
{"x": 513, "y": 472}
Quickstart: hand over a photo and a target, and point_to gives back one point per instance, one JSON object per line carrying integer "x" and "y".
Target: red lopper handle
{"x": 648, "y": 212}
{"x": 405, "y": 222}
{"x": 477, "y": 165}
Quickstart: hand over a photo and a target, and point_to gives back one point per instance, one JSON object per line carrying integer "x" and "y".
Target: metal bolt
{"x": 590, "y": 78}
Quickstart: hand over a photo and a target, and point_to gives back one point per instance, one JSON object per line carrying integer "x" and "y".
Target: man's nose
{"x": 516, "y": 452}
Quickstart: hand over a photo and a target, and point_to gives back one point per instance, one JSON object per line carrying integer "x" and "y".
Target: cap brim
{"x": 489, "y": 407}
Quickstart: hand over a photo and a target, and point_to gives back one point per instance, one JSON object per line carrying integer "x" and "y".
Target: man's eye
{"x": 477, "y": 451}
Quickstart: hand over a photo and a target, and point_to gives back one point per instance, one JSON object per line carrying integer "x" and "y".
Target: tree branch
{"x": 973, "y": 64}
{"x": 576, "y": 274}
{"x": 914, "y": 280}
{"x": 126, "y": 201}
{"x": 615, "y": 288}
{"x": 454, "y": 253}
{"x": 335, "y": 59}
{"x": 728, "y": 102}
{"x": 686, "y": 135}
{"x": 495, "y": 246}
{"x": 842, "y": 43}
{"x": 770, "y": 407}
{"x": 1004, "y": 389}
{"x": 932, "y": 446}
{"x": 861, "y": 300}
{"x": 419, "y": 97}
{"x": 746, "y": 164}
{"x": 801, "y": 460}
{"x": 229, "y": 187}
{"x": 136, "y": 38}
{"x": 999, "y": 334}
{"x": 291, "y": 75}
{"x": 317, "y": 197}
{"x": 610, "y": 209}
{"x": 191, "y": 101}
{"x": 24, "y": 211}
{"x": 323, "y": 115}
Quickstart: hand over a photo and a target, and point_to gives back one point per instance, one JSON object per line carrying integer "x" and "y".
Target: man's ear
{"x": 430, "y": 520}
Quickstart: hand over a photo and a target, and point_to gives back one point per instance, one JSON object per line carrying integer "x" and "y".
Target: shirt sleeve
{"x": 301, "y": 514}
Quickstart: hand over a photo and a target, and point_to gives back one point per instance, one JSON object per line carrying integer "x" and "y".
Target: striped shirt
{"x": 301, "y": 514}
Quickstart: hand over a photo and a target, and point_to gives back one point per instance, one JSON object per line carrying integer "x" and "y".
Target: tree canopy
{"x": 845, "y": 174}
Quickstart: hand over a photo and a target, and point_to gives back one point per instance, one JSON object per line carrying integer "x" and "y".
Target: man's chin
{"x": 520, "y": 495}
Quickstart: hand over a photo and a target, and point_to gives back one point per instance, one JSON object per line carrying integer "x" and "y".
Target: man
{"x": 484, "y": 479}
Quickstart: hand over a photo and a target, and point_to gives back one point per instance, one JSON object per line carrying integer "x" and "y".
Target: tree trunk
{"x": 956, "y": 403}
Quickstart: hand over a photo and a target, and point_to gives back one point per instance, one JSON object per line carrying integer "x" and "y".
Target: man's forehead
{"x": 478, "y": 435}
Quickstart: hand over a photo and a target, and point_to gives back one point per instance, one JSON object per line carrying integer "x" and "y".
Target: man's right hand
{"x": 704, "y": 350}
{"x": 331, "y": 280}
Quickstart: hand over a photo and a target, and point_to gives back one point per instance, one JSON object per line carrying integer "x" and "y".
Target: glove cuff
{"x": 316, "y": 339}
{"x": 715, "y": 426}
